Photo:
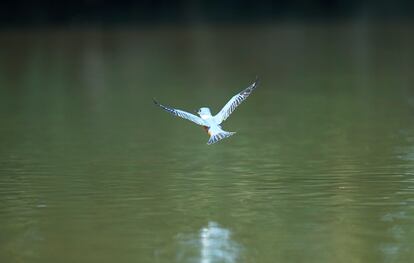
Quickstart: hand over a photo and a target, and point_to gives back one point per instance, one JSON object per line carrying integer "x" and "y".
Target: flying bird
{"x": 212, "y": 124}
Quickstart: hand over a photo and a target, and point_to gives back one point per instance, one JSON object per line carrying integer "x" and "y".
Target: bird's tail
{"x": 219, "y": 136}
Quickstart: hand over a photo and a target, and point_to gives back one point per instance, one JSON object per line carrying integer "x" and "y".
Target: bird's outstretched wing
{"x": 232, "y": 104}
{"x": 182, "y": 114}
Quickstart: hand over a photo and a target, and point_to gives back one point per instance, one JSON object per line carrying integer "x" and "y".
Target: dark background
{"x": 50, "y": 12}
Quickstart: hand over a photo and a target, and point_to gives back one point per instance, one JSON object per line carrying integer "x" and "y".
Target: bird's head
{"x": 204, "y": 113}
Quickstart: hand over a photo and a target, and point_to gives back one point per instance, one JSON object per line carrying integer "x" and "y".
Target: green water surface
{"x": 321, "y": 168}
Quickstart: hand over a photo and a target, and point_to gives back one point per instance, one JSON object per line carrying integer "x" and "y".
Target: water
{"x": 321, "y": 168}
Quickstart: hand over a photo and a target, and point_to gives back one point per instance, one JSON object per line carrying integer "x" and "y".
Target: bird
{"x": 210, "y": 123}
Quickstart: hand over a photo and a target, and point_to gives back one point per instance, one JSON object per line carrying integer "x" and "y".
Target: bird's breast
{"x": 206, "y": 128}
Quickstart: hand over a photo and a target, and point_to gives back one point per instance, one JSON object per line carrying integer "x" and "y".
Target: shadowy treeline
{"x": 49, "y": 12}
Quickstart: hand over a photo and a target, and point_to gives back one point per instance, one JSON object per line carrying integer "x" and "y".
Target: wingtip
{"x": 155, "y": 101}
{"x": 256, "y": 81}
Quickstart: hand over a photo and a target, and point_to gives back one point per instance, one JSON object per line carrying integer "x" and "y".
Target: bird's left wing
{"x": 235, "y": 101}
{"x": 182, "y": 114}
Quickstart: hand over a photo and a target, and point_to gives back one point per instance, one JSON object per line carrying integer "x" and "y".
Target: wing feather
{"x": 235, "y": 101}
{"x": 182, "y": 114}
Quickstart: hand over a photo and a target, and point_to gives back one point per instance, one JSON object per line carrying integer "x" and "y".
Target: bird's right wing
{"x": 235, "y": 101}
{"x": 182, "y": 114}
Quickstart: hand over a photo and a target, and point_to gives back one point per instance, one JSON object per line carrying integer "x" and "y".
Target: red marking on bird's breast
{"x": 206, "y": 129}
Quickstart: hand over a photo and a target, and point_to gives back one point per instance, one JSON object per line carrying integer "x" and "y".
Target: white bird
{"x": 212, "y": 123}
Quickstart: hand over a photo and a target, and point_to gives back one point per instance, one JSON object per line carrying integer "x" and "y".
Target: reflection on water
{"x": 212, "y": 244}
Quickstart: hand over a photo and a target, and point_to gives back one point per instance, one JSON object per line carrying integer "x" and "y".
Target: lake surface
{"x": 321, "y": 168}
